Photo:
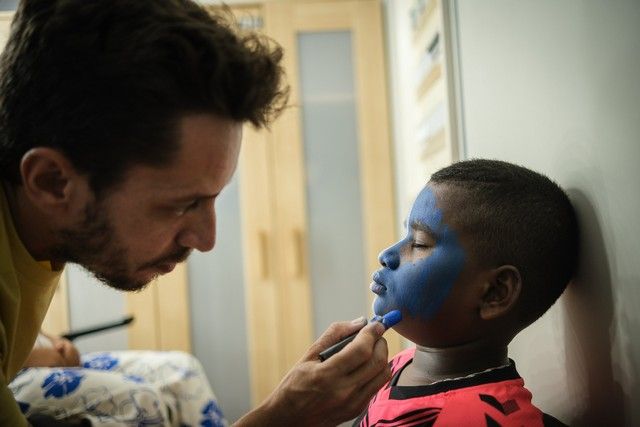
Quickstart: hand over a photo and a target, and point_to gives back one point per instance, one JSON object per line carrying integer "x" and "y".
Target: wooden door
{"x": 161, "y": 311}
{"x": 273, "y": 186}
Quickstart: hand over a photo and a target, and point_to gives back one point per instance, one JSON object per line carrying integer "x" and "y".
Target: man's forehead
{"x": 165, "y": 184}
{"x": 204, "y": 162}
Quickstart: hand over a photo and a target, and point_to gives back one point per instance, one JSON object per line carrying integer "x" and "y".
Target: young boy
{"x": 489, "y": 248}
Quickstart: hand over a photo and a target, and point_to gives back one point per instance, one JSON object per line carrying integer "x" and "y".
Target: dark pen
{"x": 388, "y": 320}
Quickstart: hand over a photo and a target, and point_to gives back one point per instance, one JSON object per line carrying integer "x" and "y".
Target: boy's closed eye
{"x": 422, "y": 241}
{"x": 420, "y": 245}
{"x": 422, "y": 236}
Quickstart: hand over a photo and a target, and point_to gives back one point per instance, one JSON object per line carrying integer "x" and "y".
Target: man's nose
{"x": 201, "y": 234}
{"x": 390, "y": 257}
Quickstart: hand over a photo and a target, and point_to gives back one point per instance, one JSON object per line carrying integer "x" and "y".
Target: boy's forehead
{"x": 438, "y": 204}
{"x": 425, "y": 215}
{"x": 425, "y": 205}
{"x": 430, "y": 199}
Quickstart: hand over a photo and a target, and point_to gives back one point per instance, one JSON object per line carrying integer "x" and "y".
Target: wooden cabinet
{"x": 162, "y": 316}
{"x": 5, "y": 27}
{"x": 286, "y": 306}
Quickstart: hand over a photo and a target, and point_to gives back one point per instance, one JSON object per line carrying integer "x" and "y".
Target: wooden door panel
{"x": 273, "y": 176}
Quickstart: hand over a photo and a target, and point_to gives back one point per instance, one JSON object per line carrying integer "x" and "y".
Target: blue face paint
{"x": 419, "y": 271}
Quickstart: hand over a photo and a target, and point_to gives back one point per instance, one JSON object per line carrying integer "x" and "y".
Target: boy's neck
{"x": 436, "y": 364}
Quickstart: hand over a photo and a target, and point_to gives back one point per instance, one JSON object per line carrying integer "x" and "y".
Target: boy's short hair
{"x": 106, "y": 82}
{"x": 517, "y": 217}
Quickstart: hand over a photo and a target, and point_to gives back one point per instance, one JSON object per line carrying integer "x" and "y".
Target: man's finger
{"x": 359, "y": 351}
{"x": 378, "y": 362}
{"x": 332, "y": 335}
{"x": 369, "y": 389}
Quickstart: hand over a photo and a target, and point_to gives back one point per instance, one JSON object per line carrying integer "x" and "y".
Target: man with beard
{"x": 120, "y": 124}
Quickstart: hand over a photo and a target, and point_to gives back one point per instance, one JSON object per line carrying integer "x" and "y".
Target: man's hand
{"x": 327, "y": 393}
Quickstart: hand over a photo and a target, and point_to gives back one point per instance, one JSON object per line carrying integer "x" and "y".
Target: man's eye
{"x": 186, "y": 208}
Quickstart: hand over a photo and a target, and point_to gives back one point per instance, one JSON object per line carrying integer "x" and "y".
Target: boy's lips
{"x": 377, "y": 288}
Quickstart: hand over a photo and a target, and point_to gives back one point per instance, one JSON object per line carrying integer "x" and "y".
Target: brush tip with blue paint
{"x": 391, "y": 319}
{"x": 388, "y": 320}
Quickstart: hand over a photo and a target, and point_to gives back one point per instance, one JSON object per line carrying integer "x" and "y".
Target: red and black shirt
{"x": 496, "y": 397}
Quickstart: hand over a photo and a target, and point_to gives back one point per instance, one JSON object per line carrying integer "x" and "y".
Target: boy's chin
{"x": 382, "y": 307}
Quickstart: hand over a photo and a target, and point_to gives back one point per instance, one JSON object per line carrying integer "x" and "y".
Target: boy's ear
{"x": 501, "y": 292}
{"x": 50, "y": 180}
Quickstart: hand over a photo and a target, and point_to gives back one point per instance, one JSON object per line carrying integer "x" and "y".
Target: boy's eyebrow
{"x": 417, "y": 225}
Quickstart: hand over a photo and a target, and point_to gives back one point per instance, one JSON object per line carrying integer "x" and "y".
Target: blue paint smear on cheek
{"x": 441, "y": 270}
{"x": 422, "y": 286}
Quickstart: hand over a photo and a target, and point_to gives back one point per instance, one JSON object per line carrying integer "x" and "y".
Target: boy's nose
{"x": 389, "y": 258}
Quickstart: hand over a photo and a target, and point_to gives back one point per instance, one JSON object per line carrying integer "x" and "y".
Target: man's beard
{"x": 93, "y": 245}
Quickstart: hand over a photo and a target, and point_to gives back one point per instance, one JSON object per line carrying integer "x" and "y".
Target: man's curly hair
{"x": 106, "y": 82}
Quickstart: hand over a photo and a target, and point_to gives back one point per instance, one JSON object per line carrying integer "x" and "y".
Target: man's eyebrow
{"x": 191, "y": 197}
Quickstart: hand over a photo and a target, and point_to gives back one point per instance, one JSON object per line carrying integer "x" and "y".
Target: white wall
{"x": 555, "y": 87}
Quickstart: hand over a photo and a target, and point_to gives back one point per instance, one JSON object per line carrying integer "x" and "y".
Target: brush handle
{"x": 336, "y": 347}
{"x": 72, "y": 335}
{"x": 388, "y": 320}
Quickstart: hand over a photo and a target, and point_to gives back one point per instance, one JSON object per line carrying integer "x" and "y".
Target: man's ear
{"x": 50, "y": 180}
{"x": 501, "y": 292}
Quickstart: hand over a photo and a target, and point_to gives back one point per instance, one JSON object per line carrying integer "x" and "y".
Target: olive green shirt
{"x": 26, "y": 289}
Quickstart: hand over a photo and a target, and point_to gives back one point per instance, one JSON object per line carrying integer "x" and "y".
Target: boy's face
{"x": 420, "y": 270}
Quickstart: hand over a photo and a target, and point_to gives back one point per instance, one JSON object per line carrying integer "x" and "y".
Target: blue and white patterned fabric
{"x": 61, "y": 382}
{"x": 212, "y": 415}
{"x": 130, "y": 388}
{"x": 101, "y": 361}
